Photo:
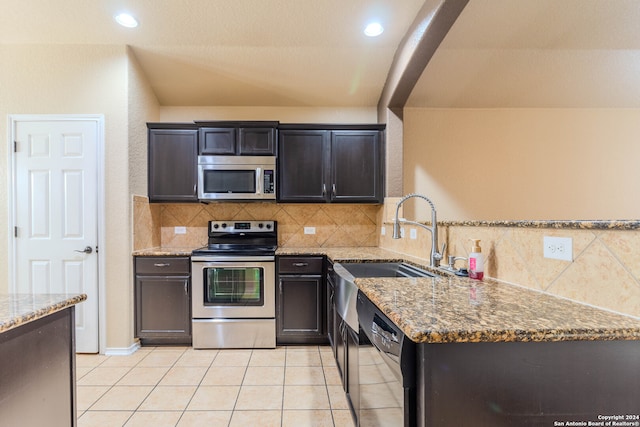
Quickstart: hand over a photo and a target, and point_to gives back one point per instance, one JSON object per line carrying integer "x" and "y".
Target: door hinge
{"x": 15, "y": 231}
{"x": 15, "y": 146}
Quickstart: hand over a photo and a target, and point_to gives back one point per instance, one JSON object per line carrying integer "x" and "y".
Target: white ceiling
{"x": 537, "y": 53}
{"x": 500, "y": 53}
{"x": 233, "y": 52}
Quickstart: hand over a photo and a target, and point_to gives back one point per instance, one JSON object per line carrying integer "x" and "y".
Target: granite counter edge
{"x": 40, "y": 312}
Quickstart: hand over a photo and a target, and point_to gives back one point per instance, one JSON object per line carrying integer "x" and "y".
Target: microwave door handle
{"x": 258, "y": 180}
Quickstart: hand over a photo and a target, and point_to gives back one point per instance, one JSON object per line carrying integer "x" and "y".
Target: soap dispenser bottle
{"x": 476, "y": 261}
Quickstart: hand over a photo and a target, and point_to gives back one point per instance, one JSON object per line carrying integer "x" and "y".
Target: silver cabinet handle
{"x": 300, "y": 264}
{"x": 333, "y": 189}
{"x": 324, "y": 189}
{"x": 86, "y": 250}
{"x": 186, "y": 288}
{"x": 161, "y": 264}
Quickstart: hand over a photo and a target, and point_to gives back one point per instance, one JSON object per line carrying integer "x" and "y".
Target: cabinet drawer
{"x": 163, "y": 265}
{"x": 300, "y": 265}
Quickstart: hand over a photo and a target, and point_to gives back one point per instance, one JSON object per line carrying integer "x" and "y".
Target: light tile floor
{"x": 180, "y": 386}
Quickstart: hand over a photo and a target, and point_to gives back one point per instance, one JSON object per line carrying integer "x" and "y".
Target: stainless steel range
{"x": 233, "y": 281}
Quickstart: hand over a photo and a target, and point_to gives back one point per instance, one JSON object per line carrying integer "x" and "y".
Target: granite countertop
{"x": 447, "y": 308}
{"x": 361, "y": 254}
{"x": 18, "y": 309}
{"x": 451, "y": 309}
{"x": 163, "y": 252}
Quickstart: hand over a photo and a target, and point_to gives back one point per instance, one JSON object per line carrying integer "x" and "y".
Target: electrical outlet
{"x": 180, "y": 230}
{"x": 402, "y": 232}
{"x": 413, "y": 233}
{"x": 309, "y": 230}
{"x": 383, "y": 231}
{"x": 558, "y": 248}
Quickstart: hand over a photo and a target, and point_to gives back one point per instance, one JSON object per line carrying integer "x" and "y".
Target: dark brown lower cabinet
{"x": 162, "y": 300}
{"x": 300, "y": 301}
{"x": 528, "y": 383}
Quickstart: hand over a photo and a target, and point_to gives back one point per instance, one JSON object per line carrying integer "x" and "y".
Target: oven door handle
{"x": 223, "y": 258}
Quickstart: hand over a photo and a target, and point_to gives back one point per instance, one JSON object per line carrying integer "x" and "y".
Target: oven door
{"x": 233, "y": 288}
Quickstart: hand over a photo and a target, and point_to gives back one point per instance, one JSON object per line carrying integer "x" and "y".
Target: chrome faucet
{"x": 435, "y": 256}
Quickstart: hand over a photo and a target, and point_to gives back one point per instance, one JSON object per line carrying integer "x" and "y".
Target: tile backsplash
{"x": 336, "y": 225}
{"x": 605, "y": 270}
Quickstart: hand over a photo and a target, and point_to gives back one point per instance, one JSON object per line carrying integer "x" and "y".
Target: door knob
{"x": 86, "y": 250}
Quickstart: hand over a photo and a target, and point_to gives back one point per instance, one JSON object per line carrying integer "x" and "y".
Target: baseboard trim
{"x": 122, "y": 351}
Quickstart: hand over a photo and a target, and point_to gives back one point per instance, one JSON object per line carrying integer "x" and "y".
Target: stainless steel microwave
{"x": 236, "y": 177}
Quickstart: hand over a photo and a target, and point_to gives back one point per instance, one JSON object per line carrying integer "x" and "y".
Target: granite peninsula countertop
{"x": 447, "y": 308}
{"x": 451, "y": 309}
{"x": 18, "y": 309}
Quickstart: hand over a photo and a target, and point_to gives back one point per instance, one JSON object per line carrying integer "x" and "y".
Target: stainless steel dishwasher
{"x": 386, "y": 370}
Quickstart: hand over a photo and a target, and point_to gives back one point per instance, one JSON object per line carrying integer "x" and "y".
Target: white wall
{"x": 511, "y": 164}
{"x": 79, "y": 79}
{"x": 281, "y": 114}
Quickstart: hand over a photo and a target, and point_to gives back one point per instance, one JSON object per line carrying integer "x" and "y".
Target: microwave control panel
{"x": 269, "y": 181}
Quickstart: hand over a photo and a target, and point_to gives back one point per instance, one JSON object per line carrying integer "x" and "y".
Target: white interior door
{"x": 56, "y": 215}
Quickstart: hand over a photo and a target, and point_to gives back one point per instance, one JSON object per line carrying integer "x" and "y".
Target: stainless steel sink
{"x": 347, "y": 291}
{"x": 384, "y": 269}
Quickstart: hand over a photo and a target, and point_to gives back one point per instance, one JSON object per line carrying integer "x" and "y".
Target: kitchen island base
{"x": 37, "y": 372}
{"x": 558, "y": 383}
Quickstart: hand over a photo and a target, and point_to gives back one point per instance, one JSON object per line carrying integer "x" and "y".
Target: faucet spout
{"x": 435, "y": 256}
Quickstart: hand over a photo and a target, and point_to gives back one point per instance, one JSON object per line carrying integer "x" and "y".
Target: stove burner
{"x": 240, "y": 238}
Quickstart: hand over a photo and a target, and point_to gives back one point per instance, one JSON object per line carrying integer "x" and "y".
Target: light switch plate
{"x": 309, "y": 230}
{"x": 413, "y": 234}
{"x": 558, "y": 248}
{"x": 383, "y": 231}
{"x": 180, "y": 230}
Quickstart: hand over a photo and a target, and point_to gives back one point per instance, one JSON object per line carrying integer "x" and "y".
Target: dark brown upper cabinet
{"x": 172, "y": 162}
{"x": 331, "y": 163}
{"x": 237, "y": 138}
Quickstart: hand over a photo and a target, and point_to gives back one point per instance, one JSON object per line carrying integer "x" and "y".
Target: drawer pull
{"x": 161, "y": 264}
{"x": 300, "y": 264}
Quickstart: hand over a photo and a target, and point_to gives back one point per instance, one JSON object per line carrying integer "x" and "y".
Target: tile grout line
{"x": 197, "y": 386}
{"x": 154, "y": 387}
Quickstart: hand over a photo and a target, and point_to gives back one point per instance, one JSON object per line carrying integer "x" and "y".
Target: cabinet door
{"x": 173, "y": 165}
{"x": 257, "y": 142}
{"x": 302, "y": 166}
{"x": 300, "y": 310}
{"x": 217, "y": 141}
{"x": 163, "y": 309}
{"x": 356, "y": 166}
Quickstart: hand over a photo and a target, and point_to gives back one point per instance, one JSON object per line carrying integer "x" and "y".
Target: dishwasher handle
{"x": 385, "y": 338}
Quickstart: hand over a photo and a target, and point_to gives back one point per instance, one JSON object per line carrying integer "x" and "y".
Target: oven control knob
{"x": 224, "y": 225}
{"x": 268, "y": 226}
{"x": 260, "y": 225}
{"x": 216, "y": 226}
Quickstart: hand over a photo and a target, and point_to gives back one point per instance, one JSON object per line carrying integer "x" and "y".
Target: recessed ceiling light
{"x": 126, "y": 20}
{"x": 373, "y": 29}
